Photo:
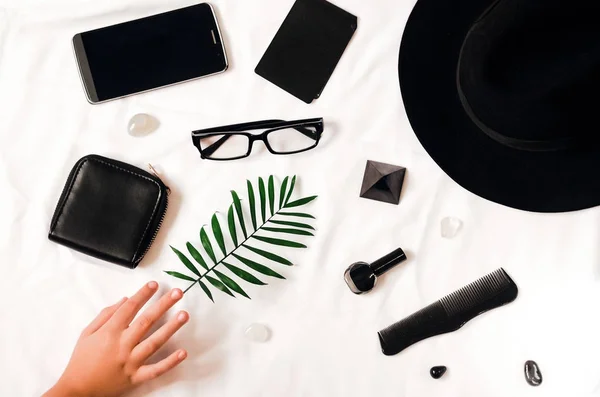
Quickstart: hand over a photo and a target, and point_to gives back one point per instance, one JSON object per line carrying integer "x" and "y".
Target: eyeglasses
{"x": 233, "y": 142}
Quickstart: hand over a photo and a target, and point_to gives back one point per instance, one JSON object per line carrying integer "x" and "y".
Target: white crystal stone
{"x": 141, "y": 124}
{"x": 258, "y": 333}
{"x": 450, "y": 226}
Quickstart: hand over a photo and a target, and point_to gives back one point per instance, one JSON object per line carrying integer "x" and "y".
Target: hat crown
{"x": 528, "y": 74}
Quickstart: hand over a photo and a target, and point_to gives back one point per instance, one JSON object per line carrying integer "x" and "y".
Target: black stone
{"x": 437, "y": 372}
{"x": 382, "y": 182}
{"x": 533, "y": 375}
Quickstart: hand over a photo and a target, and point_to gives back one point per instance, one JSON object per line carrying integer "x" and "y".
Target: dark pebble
{"x": 533, "y": 375}
{"x": 437, "y": 372}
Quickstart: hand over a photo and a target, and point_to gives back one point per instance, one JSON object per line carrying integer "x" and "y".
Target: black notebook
{"x": 307, "y": 48}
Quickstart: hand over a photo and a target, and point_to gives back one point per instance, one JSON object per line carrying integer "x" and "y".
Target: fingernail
{"x": 123, "y": 299}
{"x": 182, "y": 354}
{"x": 182, "y": 316}
{"x": 153, "y": 285}
{"x": 176, "y": 294}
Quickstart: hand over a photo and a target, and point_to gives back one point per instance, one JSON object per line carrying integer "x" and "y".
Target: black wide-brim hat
{"x": 505, "y": 97}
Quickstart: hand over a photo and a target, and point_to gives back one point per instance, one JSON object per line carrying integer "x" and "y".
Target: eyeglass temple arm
{"x": 209, "y": 150}
{"x": 255, "y": 125}
{"x": 307, "y": 132}
{"x": 303, "y": 130}
{"x": 248, "y": 126}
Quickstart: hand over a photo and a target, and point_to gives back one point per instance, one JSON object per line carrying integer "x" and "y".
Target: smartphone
{"x": 150, "y": 53}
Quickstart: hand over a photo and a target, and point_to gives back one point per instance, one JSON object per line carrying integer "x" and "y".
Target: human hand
{"x": 109, "y": 357}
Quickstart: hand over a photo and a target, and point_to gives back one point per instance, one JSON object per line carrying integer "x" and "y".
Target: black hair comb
{"x": 449, "y": 313}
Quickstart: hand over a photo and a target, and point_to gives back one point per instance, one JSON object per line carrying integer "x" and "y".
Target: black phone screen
{"x": 151, "y": 52}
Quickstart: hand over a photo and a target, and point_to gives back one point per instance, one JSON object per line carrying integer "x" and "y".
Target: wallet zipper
{"x": 162, "y": 215}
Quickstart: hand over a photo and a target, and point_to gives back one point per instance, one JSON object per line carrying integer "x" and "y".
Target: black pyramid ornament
{"x": 383, "y": 182}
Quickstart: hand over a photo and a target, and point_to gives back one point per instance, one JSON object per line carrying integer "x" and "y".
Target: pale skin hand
{"x": 111, "y": 353}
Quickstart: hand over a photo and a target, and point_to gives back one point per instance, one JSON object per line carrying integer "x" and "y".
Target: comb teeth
{"x": 416, "y": 319}
{"x": 476, "y": 292}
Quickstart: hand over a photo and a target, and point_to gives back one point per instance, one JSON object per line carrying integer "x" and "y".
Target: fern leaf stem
{"x": 232, "y": 251}
{"x": 191, "y": 285}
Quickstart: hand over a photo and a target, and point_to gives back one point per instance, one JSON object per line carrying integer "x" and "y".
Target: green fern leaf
{"x": 206, "y": 290}
{"x": 219, "y": 285}
{"x": 276, "y": 241}
{"x": 293, "y": 224}
{"x": 230, "y": 283}
{"x": 296, "y": 214}
{"x": 288, "y": 231}
{"x": 244, "y": 275}
{"x": 196, "y": 255}
{"x": 207, "y": 245}
{"x": 252, "y": 202}
{"x": 186, "y": 261}
{"x": 179, "y": 275}
{"x": 231, "y": 223}
{"x": 300, "y": 202}
{"x": 289, "y": 195}
{"x": 268, "y": 255}
{"x": 272, "y": 195}
{"x": 238, "y": 209}
{"x": 218, "y": 233}
{"x": 263, "y": 199}
{"x": 258, "y": 267}
{"x": 283, "y": 191}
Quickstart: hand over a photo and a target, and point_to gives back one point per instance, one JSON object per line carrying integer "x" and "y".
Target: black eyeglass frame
{"x": 270, "y": 125}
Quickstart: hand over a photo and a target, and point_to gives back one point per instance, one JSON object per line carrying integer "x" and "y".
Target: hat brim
{"x": 553, "y": 181}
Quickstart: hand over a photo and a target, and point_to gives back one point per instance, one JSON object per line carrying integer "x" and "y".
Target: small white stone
{"x": 141, "y": 124}
{"x": 258, "y": 333}
{"x": 450, "y": 227}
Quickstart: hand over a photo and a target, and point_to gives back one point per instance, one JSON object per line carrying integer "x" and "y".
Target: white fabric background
{"x": 324, "y": 338}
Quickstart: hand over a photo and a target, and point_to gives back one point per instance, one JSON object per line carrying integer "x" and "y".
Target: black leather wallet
{"x": 109, "y": 210}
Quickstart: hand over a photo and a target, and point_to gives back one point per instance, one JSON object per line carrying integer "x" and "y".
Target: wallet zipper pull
{"x": 153, "y": 171}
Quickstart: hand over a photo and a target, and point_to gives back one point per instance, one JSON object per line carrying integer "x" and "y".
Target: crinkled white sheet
{"x": 324, "y": 338}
